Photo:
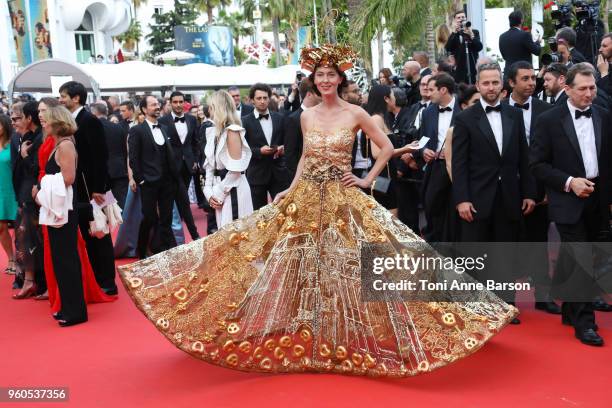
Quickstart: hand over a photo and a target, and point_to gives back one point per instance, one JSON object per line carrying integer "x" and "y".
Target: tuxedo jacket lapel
{"x": 276, "y": 129}
{"x": 597, "y": 128}
{"x": 485, "y": 128}
{"x": 570, "y": 131}
{"x": 507, "y": 125}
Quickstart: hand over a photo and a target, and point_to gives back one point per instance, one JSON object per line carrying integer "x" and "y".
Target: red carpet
{"x": 118, "y": 359}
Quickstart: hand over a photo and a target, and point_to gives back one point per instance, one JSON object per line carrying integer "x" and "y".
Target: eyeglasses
{"x": 16, "y": 118}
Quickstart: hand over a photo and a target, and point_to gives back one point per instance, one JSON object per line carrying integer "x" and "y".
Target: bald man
{"x": 412, "y": 74}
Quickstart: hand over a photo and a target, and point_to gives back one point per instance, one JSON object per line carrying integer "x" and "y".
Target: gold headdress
{"x": 328, "y": 55}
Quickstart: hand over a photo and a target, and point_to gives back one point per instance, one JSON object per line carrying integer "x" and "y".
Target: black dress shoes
{"x": 589, "y": 337}
{"x": 566, "y": 321}
{"x": 515, "y": 321}
{"x": 110, "y": 291}
{"x": 549, "y": 307}
{"x": 66, "y": 323}
{"x": 602, "y": 306}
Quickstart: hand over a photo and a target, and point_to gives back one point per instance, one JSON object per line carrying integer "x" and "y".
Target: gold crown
{"x": 328, "y": 55}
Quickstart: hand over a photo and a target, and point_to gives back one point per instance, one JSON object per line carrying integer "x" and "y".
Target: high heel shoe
{"x": 42, "y": 296}
{"x": 27, "y": 293}
{"x": 66, "y": 323}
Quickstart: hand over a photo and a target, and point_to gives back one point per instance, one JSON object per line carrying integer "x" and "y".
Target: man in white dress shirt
{"x": 570, "y": 154}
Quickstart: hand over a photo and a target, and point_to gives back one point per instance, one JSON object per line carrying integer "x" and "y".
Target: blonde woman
{"x": 227, "y": 158}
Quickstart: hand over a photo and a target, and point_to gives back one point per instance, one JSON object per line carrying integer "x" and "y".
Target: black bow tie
{"x": 525, "y": 106}
{"x": 587, "y": 113}
{"x": 447, "y": 109}
{"x": 490, "y": 109}
{"x": 423, "y": 105}
{"x": 156, "y": 127}
{"x": 264, "y": 116}
{"x": 181, "y": 119}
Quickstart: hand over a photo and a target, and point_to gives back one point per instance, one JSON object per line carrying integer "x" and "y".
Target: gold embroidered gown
{"x": 279, "y": 290}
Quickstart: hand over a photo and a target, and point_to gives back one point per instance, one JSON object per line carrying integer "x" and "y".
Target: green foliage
{"x": 161, "y": 38}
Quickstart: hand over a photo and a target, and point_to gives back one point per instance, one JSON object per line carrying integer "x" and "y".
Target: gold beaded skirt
{"x": 280, "y": 291}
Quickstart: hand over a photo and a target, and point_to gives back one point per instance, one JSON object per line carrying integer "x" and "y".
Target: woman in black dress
{"x": 59, "y": 124}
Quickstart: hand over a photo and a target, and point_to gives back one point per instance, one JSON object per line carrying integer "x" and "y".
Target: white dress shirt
{"x": 266, "y": 125}
{"x": 76, "y": 112}
{"x": 418, "y": 121}
{"x": 495, "y": 121}
{"x": 444, "y": 122}
{"x": 158, "y": 136}
{"x": 586, "y": 139}
{"x": 526, "y": 115}
{"x": 361, "y": 163}
{"x": 181, "y": 127}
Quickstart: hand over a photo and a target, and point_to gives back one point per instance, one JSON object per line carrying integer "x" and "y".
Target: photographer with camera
{"x": 517, "y": 45}
{"x": 293, "y": 101}
{"x": 589, "y": 29}
{"x": 464, "y": 44}
{"x": 567, "y": 36}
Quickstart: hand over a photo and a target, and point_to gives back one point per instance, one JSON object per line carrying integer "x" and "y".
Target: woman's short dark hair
{"x": 465, "y": 93}
{"x": 386, "y": 72}
{"x": 260, "y": 87}
{"x": 376, "y": 100}
{"x": 342, "y": 85}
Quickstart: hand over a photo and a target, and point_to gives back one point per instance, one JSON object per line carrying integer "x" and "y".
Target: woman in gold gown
{"x": 280, "y": 290}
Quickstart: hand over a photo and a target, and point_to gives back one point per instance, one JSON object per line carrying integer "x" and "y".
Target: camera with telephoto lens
{"x": 586, "y": 11}
{"x": 561, "y": 13}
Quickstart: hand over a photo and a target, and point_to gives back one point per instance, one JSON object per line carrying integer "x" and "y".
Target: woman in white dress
{"x": 227, "y": 158}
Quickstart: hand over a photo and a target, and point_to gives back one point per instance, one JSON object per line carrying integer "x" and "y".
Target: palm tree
{"x": 209, "y": 6}
{"x": 235, "y": 22}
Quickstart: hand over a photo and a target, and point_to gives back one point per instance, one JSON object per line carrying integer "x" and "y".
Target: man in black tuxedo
{"x": 264, "y": 134}
{"x": 492, "y": 186}
{"x": 154, "y": 168}
{"x": 570, "y": 154}
{"x": 522, "y": 79}
{"x": 423, "y": 59}
{"x": 461, "y": 38}
{"x": 437, "y": 118}
{"x": 516, "y": 44}
{"x": 293, "y": 125}
{"x": 91, "y": 181}
{"x": 182, "y": 130}
{"x": 126, "y": 110}
{"x": 116, "y": 143}
{"x": 554, "y": 82}
{"x": 243, "y": 108}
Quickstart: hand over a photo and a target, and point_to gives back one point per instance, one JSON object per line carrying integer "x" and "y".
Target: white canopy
{"x": 175, "y": 55}
{"x": 135, "y": 76}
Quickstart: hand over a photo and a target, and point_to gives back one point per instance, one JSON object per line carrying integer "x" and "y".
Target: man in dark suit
{"x": 437, "y": 118}
{"x": 243, "y": 108}
{"x": 293, "y": 126}
{"x": 604, "y": 61}
{"x": 423, "y": 59}
{"x": 568, "y": 35}
{"x": 516, "y": 44}
{"x": 154, "y": 168}
{"x": 492, "y": 186}
{"x": 126, "y": 110}
{"x": 116, "y": 142}
{"x": 554, "y": 82}
{"x": 182, "y": 130}
{"x": 267, "y": 172}
{"x": 91, "y": 181}
{"x": 461, "y": 39}
{"x": 522, "y": 79}
{"x": 570, "y": 154}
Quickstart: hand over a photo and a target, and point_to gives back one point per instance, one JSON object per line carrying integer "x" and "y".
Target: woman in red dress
{"x": 92, "y": 292}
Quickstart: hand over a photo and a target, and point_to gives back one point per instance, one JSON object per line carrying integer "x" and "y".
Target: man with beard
{"x": 492, "y": 186}
{"x": 603, "y": 64}
{"x": 411, "y": 72}
{"x": 153, "y": 165}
